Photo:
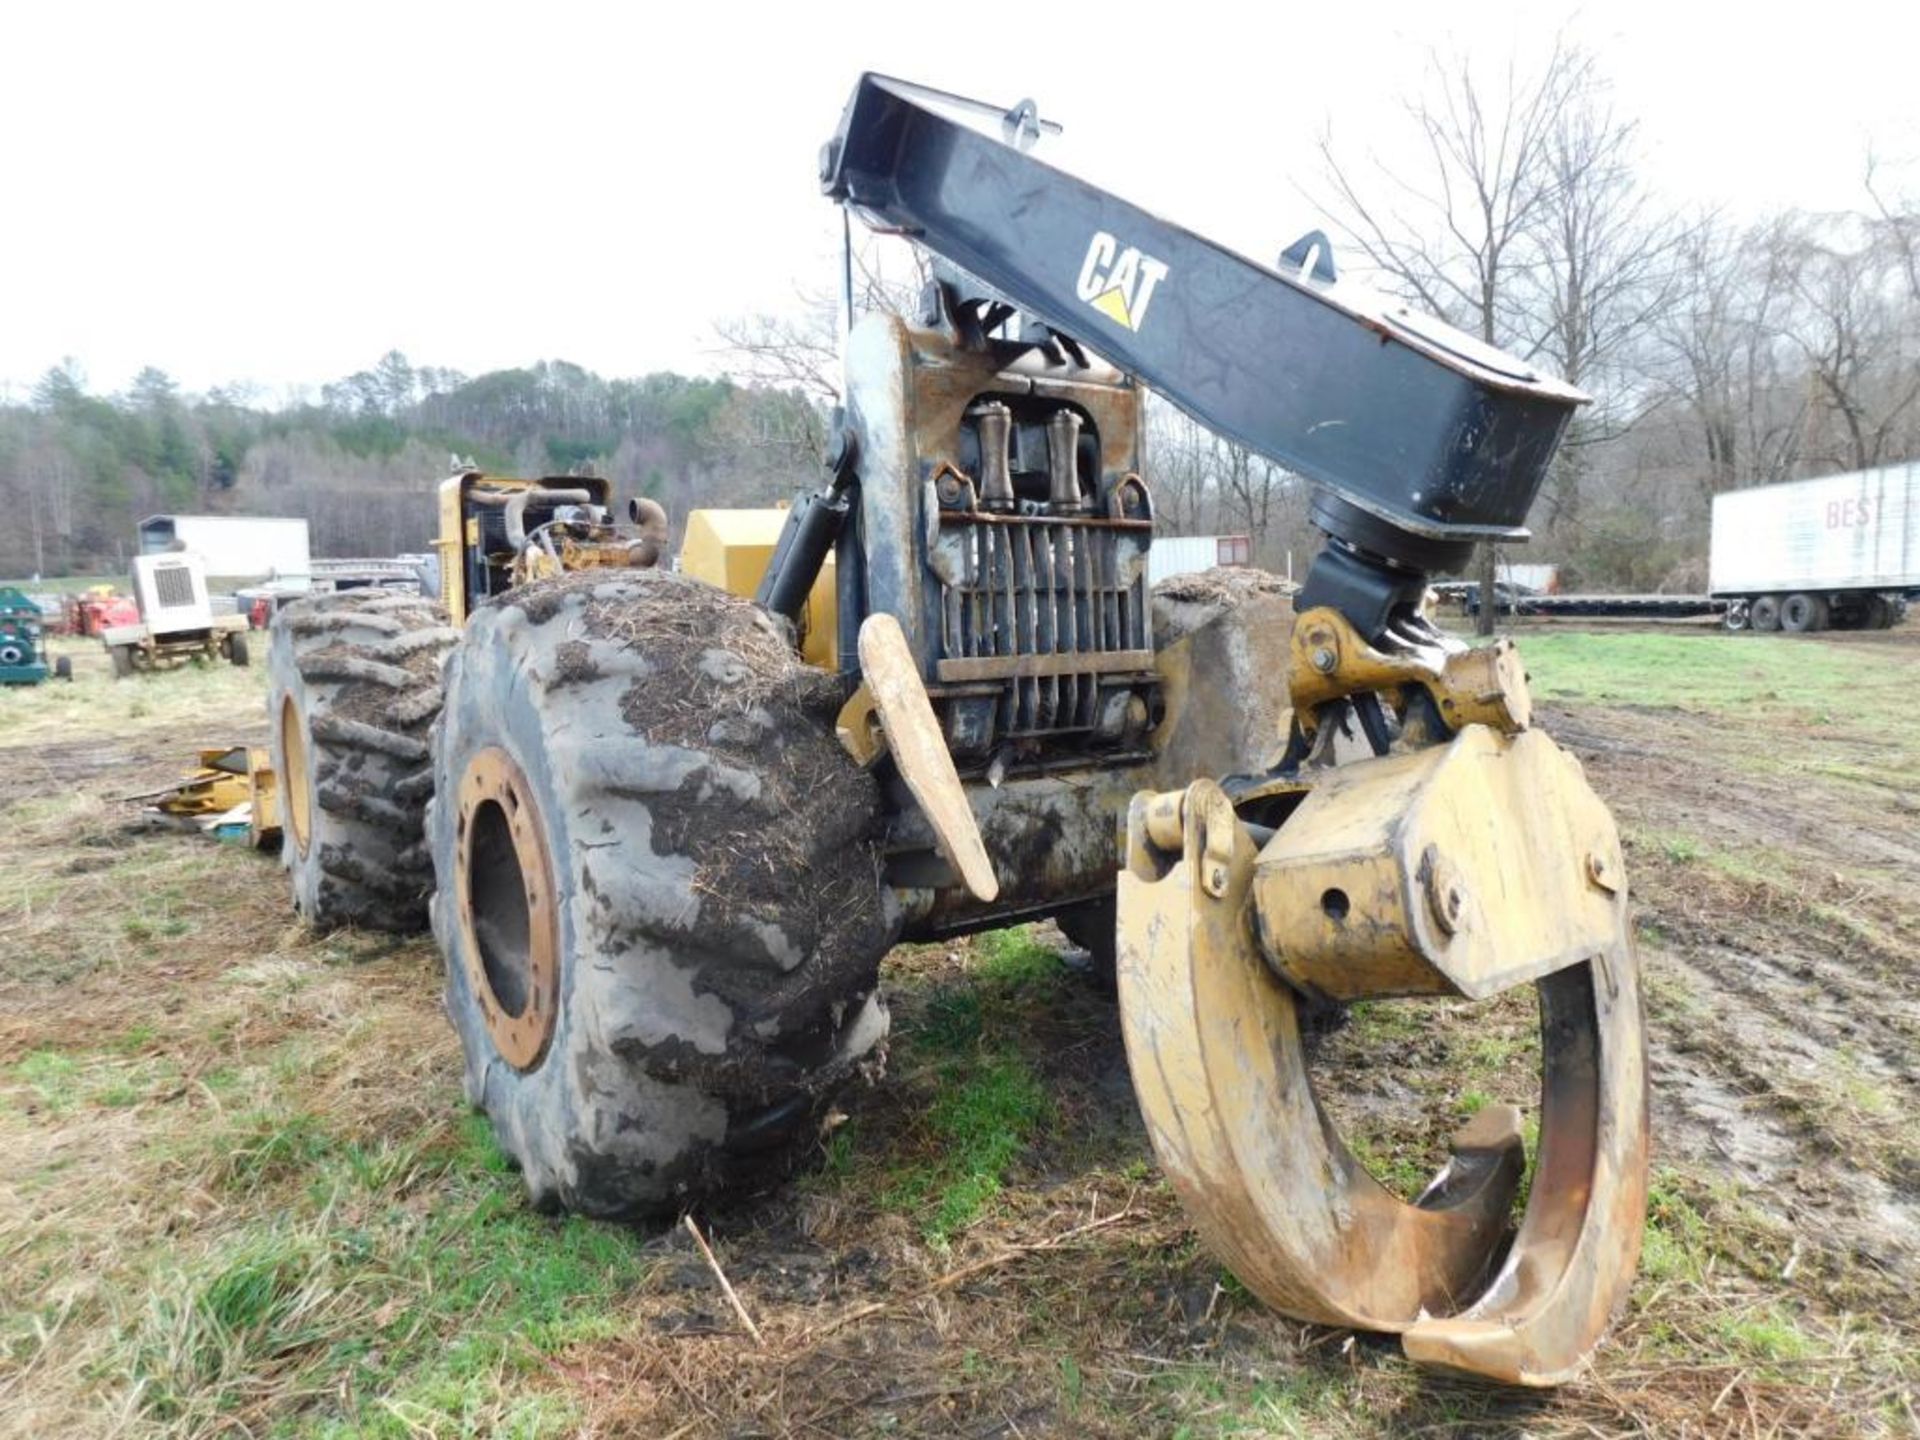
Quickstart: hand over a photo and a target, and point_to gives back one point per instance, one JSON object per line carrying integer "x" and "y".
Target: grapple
{"x": 1464, "y": 856}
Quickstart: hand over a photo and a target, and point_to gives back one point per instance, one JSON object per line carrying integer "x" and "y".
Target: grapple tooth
{"x": 1574, "y": 1258}
{"x": 1213, "y": 1040}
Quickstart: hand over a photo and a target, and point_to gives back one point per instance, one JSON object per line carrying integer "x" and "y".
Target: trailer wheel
{"x": 1878, "y": 613}
{"x": 1735, "y": 618}
{"x": 237, "y": 648}
{"x": 122, "y": 660}
{"x": 1763, "y": 613}
{"x": 1803, "y": 614}
{"x": 63, "y": 668}
{"x": 354, "y": 686}
{"x": 659, "y": 895}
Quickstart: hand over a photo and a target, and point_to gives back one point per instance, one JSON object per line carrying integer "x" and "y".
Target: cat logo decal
{"x": 1118, "y": 280}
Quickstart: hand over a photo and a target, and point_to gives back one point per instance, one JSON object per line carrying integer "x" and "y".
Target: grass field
{"x": 243, "y": 1196}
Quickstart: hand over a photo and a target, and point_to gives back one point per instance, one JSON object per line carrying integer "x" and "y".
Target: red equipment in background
{"x": 94, "y": 611}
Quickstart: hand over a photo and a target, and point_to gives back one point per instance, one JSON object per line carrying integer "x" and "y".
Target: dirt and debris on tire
{"x": 362, "y": 670}
{"x": 1182, "y": 604}
{"x": 716, "y": 874}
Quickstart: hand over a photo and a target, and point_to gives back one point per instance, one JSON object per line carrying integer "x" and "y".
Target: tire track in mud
{"x": 1784, "y": 1015}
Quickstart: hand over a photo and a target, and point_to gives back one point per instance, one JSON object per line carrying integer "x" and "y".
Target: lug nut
{"x": 1324, "y": 660}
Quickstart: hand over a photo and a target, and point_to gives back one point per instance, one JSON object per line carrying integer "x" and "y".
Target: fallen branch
{"x": 725, "y": 1285}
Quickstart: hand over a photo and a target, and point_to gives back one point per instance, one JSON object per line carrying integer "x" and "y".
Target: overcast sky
{"x": 281, "y": 192}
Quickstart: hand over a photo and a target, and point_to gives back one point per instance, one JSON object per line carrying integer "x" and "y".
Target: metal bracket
{"x": 1329, "y": 660}
{"x": 920, "y": 750}
{"x": 1203, "y": 811}
{"x": 1310, "y": 256}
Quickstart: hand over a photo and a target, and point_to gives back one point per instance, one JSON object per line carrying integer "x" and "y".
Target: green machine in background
{"x": 23, "y": 654}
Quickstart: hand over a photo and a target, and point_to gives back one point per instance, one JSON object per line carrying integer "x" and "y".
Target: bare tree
{"x": 1857, "y": 329}
{"x": 1250, "y": 488}
{"x": 801, "y": 346}
{"x": 1901, "y": 227}
{"x": 1176, "y": 459}
{"x": 1718, "y": 354}
{"x": 1514, "y": 229}
{"x": 1602, "y": 269}
{"x": 1455, "y": 238}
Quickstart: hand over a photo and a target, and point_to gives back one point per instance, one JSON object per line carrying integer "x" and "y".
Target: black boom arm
{"x": 1422, "y": 440}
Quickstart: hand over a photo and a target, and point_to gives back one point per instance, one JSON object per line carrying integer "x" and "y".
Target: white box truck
{"x": 1841, "y": 551}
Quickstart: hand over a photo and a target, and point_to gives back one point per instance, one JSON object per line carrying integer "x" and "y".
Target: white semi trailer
{"x": 1840, "y": 551}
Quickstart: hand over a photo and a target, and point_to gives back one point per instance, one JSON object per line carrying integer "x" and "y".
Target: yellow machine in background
{"x": 234, "y": 787}
{"x": 357, "y": 680}
{"x": 730, "y": 550}
{"x": 496, "y": 532}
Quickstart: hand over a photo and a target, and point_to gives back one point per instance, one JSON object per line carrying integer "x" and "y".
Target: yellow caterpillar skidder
{"x": 673, "y": 826}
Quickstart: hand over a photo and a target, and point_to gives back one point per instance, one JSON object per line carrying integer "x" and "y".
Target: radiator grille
{"x": 173, "y": 586}
{"x": 1045, "y": 606}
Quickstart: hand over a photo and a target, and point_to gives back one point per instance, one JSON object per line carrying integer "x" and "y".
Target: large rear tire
{"x": 659, "y": 893}
{"x": 1763, "y": 614}
{"x": 354, "y": 687}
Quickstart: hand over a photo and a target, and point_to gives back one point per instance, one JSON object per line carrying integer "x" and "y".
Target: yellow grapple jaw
{"x": 1456, "y": 866}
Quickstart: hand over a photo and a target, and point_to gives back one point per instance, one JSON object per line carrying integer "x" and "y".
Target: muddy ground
{"x": 243, "y": 1197}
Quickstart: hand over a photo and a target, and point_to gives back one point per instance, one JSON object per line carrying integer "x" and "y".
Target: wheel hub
{"x": 296, "y": 780}
{"x": 508, "y": 919}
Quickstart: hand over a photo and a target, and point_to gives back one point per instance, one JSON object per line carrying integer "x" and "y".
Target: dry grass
{"x": 192, "y": 701}
{"x": 243, "y": 1196}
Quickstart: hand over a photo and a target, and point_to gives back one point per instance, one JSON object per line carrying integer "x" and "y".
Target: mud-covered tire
{"x": 354, "y": 687}
{"x": 659, "y": 1000}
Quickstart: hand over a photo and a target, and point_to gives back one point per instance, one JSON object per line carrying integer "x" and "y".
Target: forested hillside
{"x": 1718, "y": 355}
{"x": 79, "y": 470}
